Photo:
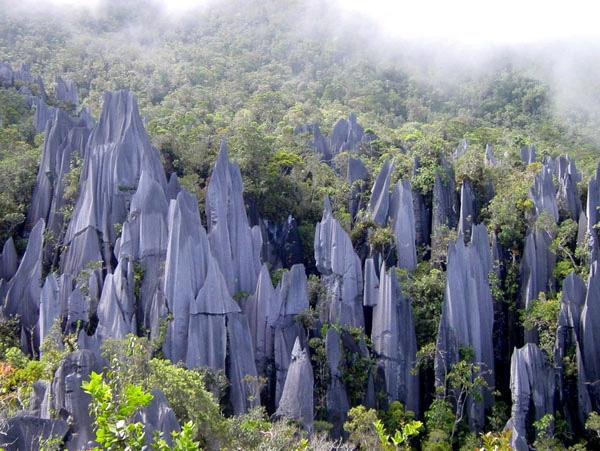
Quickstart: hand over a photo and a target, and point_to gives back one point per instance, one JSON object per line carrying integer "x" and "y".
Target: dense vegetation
{"x": 252, "y": 72}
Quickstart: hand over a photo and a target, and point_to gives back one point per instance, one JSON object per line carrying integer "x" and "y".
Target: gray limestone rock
{"x": 158, "y": 417}
{"x": 402, "y": 218}
{"x": 590, "y": 334}
{"x": 24, "y": 289}
{"x": 317, "y": 141}
{"x": 528, "y": 154}
{"x": 337, "y": 399}
{"x": 297, "y": 398}
{"x": 593, "y": 215}
{"x": 490, "y": 159}
{"x": 371, "y": 289}
{"x": 356, "y": 176}
{"x": 293, "y": 291}
{"x": 468, "y": 315}
{"x": 532, "y": 387}
{"x": 43, "y": 113}
{"x": 9, "y": 261}
{"x": 207, "y": 337}
{"x": 173, "y": 187}
{"x": 66, "y": 91}
{"x": 68, "y": 399}
{"x": 380, "y": 197}
{"x": 467, "y": 210}
{"x": 231, "y": 239}
{"x": 7, "y": 77}
{"x": 341, "y": 272}
{"x": 185, "y": 269}
{"x": 50, "y": 308}
{"x": 348, "y": 135}
{"x": 445, "y": 204}
{"x": 28, "y": 433}
{"x": 395, "y": 342}
{"x": 543, "y": 194}
{"x": 241, "y": 367}
{"x": 117, "y": 152}
{"x": 537, "y": 266}
{"x": 568, "y": 177}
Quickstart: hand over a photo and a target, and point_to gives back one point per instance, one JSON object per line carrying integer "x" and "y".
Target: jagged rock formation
{"x": 590, "y": 334}
{"x": 380, "y": 197}
{"x": 569, "y": 204}
{"x": 371, "y": 290}
{"x": 117, "y": 152}
{"x": 9, "y": 261}
{"x": 340, "y": 269}
{"x": 395, "y": 342}
{"x": 537, "y": 266}
{"x": 297, "y": 398}
{"x": 282, "y": 247}
{"x": 445, "y": 204}
{"x": 402, "y": 217}
{"x": 543, "y": 194}
{"x": 28, "y": 432}
{"x": 528, "y": 154}
{"x": 231, "y": 239}
{"x": 532, "y": 386}
{"x": 468, "y": 315}
{"x": 467, "y": 215}
{"x": 23, "y": 290}
{"x": 356, "y": 176}
{"x": 347, "y": 135}
{"x": 593, "y": 217}
{"x": 66, "y": 91}
{"x": 337, "y": 399}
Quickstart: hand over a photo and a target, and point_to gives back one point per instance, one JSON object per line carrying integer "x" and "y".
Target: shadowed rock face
{"x": 395, "y": 342}
{"x": 318, "y": 142}
{"x": 68, "y": 399}
{"x": 231, "y": 239}
{"x": 282, "y": 246}
{"x": 9, "y": 261}
{"x": 402, "y": 218}
{"x": 593, "y": 215}
{"x": 356, "y": 176}
{"x": 468, "y": 315}
{"x": 445, "y": 203}
{"x": 537, "y": 266}
{"x": 296, "y": 400}
{"x": 340, "y": 269}
{"x": 543, "y": 194}
{"x": 568, "y": 176}
{"x": 117, "y": 153}
{"x": 66, "y": 91}
{"x": 26, "y": 432}
{"x": 158, "y": 417}
{"x": 43, "y": 113}
{"x": 380, "y": 197}
{"x": 467, "y": 210}
{"x": 24, "y": 289}
{"x": 337, "y": 399}
{"x": 532, "y": 386}
{"x": 186, "y": 266}
{"x": 371, "y": 290}
{"x": 528, "y": 154}
{"x": 590, "y": 335}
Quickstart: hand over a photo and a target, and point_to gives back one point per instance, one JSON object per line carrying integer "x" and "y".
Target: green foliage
{"x": 542, "y": 316}
{"x": 356, "y": 367}
{"x": 593, "y": 423}
{"x": 360, "y": 427}
{"x": 425, "y": 287}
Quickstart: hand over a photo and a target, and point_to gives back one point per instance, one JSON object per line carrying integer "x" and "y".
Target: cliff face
{"x": 134, "y": 257}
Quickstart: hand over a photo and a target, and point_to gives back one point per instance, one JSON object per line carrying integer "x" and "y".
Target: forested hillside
{"x": 264, "y": 225}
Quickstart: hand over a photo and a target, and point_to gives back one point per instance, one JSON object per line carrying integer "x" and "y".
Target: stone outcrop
{"x": 537, "y": 266}
{"x": 467, "y": 215}
{"x": 533, "y": 388}
{"x": 402, "y": 218}
{"x": 395, "y": 342}
{"x": 380, "y": 197}
{"x": 468, "y": 315}
{"x": 29, "y": 432}
{"x": 341, "y": 272}
{"x": 66, "y": 91}
{"x": 297, "y": 398}
{"x": 590, "y": 334}
{"x": 9, "y": 260}
{"x": 231, "y": 239}
{"x": 445, "y": 203}
{"x": 282, "y": 247}
{"x": 337, "y": 399}
{"x": 543, "y": 194}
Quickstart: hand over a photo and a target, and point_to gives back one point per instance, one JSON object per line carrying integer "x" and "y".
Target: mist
{"x": 438, "y": 42}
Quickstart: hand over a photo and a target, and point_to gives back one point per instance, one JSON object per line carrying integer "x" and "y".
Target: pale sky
{"x": 472, "y": 21}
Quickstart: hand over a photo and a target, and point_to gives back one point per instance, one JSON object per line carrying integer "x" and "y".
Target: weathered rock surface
{"x": 66, "y": 91}
{"x": 445, "y": 203}
{"x": 593, "y": 215}
{"x": 402, "y": 218}
{"x": 395, "y": 342}
{"x": 537, "y": 266}
{"x": 543, "y": 194}
{"x": 380, "y": 197}
{"x": 371, "y": 289}
{"x": 337, "y": 399}
{"x": 282, "y": 246}
{"x": 29, "y": 432}
{"x": 533, "y": 388}
{"x": 297, "y": 398}
{"x": 341, "y": 272}
{"x": 468, "y": 315}
{"x": 590, "y": 335}
{"x": 467, "y": 215}
{"x": 9, "y": 261}
{"x": 231, "y": 239}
